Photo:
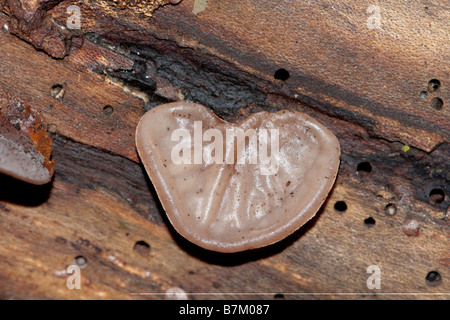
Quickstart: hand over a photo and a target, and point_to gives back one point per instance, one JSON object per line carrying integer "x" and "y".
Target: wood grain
{"x": 30, "y": 75}
{"x": 101, "y": 203}
{"x": 337, "y": 64}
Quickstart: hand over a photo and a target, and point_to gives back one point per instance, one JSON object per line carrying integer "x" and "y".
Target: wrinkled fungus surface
{"x": 231, "y": 207}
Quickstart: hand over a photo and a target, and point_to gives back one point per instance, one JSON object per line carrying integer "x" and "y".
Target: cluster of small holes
{"x": 410, "y": 227}
{"x": 433, "y": 86}
{"x": 436, "y": 196}
{"x": 57, "y": 91}
{"x": 363, "y": 168}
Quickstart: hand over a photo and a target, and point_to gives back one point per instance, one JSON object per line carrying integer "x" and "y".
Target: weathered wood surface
{"x": 336, "y": 63}
{"x": 363, "y": 84}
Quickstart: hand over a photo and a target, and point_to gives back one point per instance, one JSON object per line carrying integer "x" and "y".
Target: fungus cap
{"x": 25, "y": 146}
{"x": 234, "y": 205}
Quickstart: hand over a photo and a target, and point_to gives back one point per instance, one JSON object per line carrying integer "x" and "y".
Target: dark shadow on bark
{"x": 22, "y": 193}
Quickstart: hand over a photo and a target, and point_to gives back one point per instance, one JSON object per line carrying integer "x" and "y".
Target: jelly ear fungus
{"x": 231, "y": 207}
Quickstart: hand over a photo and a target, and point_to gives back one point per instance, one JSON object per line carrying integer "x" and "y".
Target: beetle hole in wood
{"x": 340, "y": 206}
{"x": 369, "y": 222}
{"x": 364, "y": 168}
{"x": 281, "y": 74}
{"x": 80, "y": 261}
{"x": 390, "y": 209}
{"x": 108, "y": 110}
{"x": 278, "y": 296}
{"x": 436, "y": 196}
{"x": 437, "y": 103}
{"x": 142, "y": 248}
{"x": 423, "y": 94}
{"x": 433, "y": 278}
{"x": 57, "y": 91}
{"x": 433, "y": 85}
